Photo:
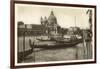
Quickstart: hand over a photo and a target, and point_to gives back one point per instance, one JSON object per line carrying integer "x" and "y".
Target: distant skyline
{"x": 66, "y": 16}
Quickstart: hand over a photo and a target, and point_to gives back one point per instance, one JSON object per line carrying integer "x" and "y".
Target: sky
{"x": 66, "y": 16}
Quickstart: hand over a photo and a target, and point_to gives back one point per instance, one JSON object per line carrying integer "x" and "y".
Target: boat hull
{"x": 56, "y": 44}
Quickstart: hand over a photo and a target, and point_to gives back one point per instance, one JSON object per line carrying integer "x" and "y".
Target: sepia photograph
{"x": 46, "y": 34}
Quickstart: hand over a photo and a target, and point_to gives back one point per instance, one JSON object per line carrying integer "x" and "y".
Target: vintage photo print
{"x": 46, "y": 34}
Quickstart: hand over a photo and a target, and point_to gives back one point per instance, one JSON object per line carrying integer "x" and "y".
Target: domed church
{"x": 50, "y": 23}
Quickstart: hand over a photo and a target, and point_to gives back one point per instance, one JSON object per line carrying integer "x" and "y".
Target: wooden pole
{"x": 18, "y": 45}
{"x": 24, "y": 43}
{"x": 34, "y": 48}
{"x": 84, "y": 45}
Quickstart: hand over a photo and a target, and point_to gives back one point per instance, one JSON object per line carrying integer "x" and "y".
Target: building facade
{"x": 50, "y": 23}
{"x": 48, "y": 26}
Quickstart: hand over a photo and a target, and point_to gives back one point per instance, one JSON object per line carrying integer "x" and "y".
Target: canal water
{"x": 77, "y": 52}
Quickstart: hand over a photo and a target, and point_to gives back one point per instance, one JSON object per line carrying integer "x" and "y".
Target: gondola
{"x": 57, "y": 43}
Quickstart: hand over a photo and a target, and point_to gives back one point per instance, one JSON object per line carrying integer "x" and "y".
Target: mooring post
{"x": 18, "y": 42}
{"x": 85, "y": 44}
{"x": 24, "y": 43}
{"x": 33, "y": 48}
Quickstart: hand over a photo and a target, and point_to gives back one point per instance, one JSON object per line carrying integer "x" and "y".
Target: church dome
{"x": 52, "y": 17}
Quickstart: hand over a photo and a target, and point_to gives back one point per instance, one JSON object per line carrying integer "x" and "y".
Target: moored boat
{"x": 56, "y": 42}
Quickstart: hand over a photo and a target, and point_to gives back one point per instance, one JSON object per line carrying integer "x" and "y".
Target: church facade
{"x": 50, "y": 23}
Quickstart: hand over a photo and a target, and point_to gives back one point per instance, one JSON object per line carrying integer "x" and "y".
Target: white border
{"x": 70, "y": 61}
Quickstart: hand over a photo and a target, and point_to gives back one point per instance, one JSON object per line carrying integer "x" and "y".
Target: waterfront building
{"x": 48, "y": 26}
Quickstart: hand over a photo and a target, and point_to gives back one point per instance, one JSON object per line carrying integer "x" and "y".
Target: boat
{"x": 72, "y": 39}
{"x": 57, "y": 42}
{"x": 44, "y": 39}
